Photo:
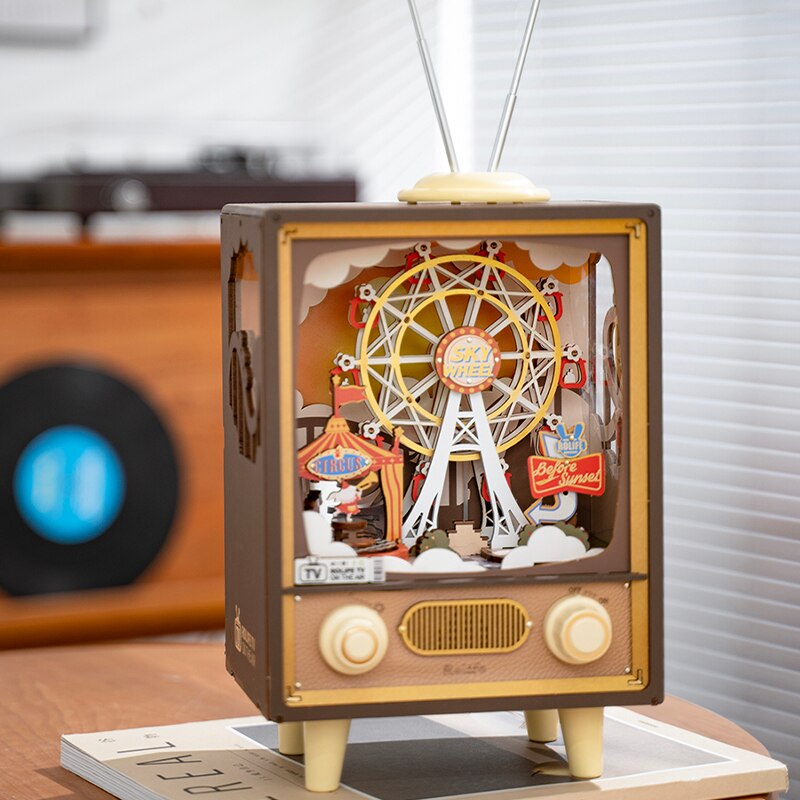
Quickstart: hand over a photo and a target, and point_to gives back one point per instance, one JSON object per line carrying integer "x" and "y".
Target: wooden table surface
{"x": 47, "y": 692}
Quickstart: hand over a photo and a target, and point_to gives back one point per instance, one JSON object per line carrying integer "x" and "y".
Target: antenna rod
{"x": 430, "y": 76}
{"x": 511, "y": 99}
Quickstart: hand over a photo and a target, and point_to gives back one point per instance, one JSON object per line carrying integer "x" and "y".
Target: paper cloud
{"x": 336, "y": 550}
{"x": 457, "y": 245}
{"x": 548, "y": 256}
{"x": 552, "y": 544}
{"x": 312, "y": 295}
{"x": 318, "y": 532}
{"x": 319, "y": 537}
{"x": 439, "y": 559}
{"x": 547, "y": 544}
{"x": 333, "y": 269}
{"x": 518, "y": 557}
{"x": 329, "y": 270}
{"x": 395, "y": 564}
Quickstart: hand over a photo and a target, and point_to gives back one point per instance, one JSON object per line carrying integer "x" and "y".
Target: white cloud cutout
{"x": 546, "y": 545}
{"x": 336, "y": 550}
{"x": 333, "y": 269}
{"x": 319, "y": 533}
{"x": 319, "y": 537}
{"x": 395, "y": 564}
{"x": 454, "y": 245}
{"x": 329, "y": 270}
{"x": 549, "y": 256}
{"x": 312, "y": 295}
{"x": 440, "y": 559}
{"x": 518, "y": 557}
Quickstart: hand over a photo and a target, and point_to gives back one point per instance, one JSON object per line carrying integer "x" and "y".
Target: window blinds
{"x": 695, "y": 105}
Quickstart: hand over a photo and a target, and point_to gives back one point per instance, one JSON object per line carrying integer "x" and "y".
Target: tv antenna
{"x": 433, "y": 88}
{"x": 511, "y": 97}
{"x": 490, "y": 186}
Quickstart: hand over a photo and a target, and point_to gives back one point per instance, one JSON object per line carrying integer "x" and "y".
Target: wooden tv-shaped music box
{"x": 442, "y": 465}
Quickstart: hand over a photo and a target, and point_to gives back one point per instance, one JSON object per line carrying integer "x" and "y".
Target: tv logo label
{"x": 314, "y": 570}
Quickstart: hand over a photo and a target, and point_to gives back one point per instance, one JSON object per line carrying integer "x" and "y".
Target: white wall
{"x": 160, "y": 78}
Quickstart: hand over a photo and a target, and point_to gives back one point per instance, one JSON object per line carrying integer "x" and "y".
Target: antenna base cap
{"x": 474, "y": 187}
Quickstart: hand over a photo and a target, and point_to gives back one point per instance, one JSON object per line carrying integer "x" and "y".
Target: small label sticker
{"x": 243, "y": 640}
{"x": 315, "y": 570}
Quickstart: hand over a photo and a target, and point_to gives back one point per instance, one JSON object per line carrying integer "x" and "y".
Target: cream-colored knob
{"x": 577, "y": 629}
{"x": 353, "y": 639}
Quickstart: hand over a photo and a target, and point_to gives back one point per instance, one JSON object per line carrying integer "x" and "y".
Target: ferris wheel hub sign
{"x": 467, "y": 360}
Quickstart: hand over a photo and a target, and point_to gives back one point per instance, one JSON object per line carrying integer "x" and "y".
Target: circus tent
{"x": 339, "y": 454}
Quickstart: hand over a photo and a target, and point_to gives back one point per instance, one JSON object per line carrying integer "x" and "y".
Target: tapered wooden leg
{"x": 582, "y": 729}
{"x": 290, "y": 738}
{"x": 542, "y": 725}
{"x": 325, "y": 743}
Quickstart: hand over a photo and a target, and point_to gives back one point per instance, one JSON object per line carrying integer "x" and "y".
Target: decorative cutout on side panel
{"x": 243, "y": 328}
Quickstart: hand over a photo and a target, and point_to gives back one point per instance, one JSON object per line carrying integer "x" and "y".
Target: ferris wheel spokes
{"x": 402, "y": 318}
{"x": 414, "y": 392}
{"x": 440, "y": 304}
{"x": 475, "y": 301}
{"x": 401, "y": 405}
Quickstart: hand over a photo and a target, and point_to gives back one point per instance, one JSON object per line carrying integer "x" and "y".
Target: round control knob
{"x": 353, "y": 639}
{"x": 577, "y": 629}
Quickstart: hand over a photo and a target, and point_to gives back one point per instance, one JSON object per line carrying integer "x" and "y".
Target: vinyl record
{"x": 88, "y": 481}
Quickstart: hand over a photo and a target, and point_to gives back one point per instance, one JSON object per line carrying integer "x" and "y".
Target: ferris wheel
{"x": 463, "y": 353}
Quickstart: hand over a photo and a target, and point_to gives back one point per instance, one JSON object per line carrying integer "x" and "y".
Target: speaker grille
{"x": 451, "y": 627}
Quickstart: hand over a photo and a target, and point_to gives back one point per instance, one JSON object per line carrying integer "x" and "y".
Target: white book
{"x": 484, "y": 756}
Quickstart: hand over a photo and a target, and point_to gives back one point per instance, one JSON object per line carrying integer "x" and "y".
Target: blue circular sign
{"x": 69, "y": 484}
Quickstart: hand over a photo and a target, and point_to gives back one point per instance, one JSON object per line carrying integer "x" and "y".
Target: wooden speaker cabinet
{"x": 111, "y": 442}
{"x": 442, "y": 465}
